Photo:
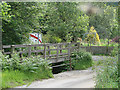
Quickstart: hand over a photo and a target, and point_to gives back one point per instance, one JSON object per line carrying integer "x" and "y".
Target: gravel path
{"x": 69, "y": 79}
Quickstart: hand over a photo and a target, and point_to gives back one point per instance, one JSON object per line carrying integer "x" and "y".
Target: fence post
{"x": 12, "y": 49}
{"x": 36, "y": 49}
{"x": 29, "y": 50}
{"x": 44, "y": 54}
{"x": 60, "y": 48}
{"x": 57, "y": 52}
{"x": 69, "y": 55}
{"x": 78, "y": 46}
{"x": 48, "y": 50}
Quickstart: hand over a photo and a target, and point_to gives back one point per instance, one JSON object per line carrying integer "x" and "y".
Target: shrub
{"x": 54, "y": 39}
{"x": 107, "y": 76}
{"x": 29, "y": 64}
{"x": 92, "y": 36}
{"x": 81, "y": 60}
{"x": 51, "y": 39}
{"x": 114, "y": 52}
{"x": 18, "y": 71}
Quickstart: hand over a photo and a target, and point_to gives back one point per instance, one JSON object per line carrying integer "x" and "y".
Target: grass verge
{"x": 15, "y": 78}
{"x": 107, "y": 73}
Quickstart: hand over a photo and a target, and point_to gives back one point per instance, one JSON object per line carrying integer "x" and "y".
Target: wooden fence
{"x": 53, "y": 52}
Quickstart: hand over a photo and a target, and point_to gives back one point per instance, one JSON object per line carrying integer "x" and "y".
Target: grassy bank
{"x": 80, "y": 60}
{"x": 16, "y": 72}
{"x": 15, "y": 78}
{"x": 107, "y": 73}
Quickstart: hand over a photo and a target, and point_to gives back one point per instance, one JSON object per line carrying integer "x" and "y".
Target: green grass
{"x": 82, "y": 65}
{"x": 81, "y": 60}
{"x": 107, "y": 76}
{"x": 0, "y": 79}
{"x": 17, "y": 78}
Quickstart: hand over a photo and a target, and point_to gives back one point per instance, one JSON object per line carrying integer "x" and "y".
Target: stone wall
{"x": 98, "y": 49}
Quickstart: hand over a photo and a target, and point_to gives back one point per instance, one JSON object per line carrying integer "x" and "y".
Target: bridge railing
{"x": 54, "y": 52}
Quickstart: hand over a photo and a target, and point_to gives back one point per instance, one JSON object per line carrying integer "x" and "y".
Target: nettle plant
{"x": 27, "y": 64}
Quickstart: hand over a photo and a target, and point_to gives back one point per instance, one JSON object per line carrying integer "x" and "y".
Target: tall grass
{"x": 107, "y": 75}
{"x": 13, "y": 78}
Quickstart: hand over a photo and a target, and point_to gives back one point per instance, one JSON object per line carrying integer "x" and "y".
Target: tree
{"x": 92, "y": 36}
{"x": 106, "y": 23}
{"x": 5, "y": 17}
{"x": 64, "y": 20}
{"x": 23, "y": 21}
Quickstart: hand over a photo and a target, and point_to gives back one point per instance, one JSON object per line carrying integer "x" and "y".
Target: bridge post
{"x": 29, "y": 50}
{"x": 12, "y": 49}
{"x": 57, "y": 52}
{"x": 78, "y": 46}
{"x": 60, "y": 48}
{"x": 36, "y": 49}
{"x": 48, "y": 50}
{"x": 69, "y": 47}
{"x": 44, "y": 53}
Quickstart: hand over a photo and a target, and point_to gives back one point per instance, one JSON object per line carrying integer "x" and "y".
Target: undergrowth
{"x": 16, "y": 72}
{"x": 107, "y": 75}
{"x": 81, "y": 60}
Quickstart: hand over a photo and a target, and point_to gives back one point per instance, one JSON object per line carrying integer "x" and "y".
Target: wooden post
{"x": 57, "y": 52}
{"x": 36, "y": 49}
{"x": 70, "y": 64}
{"x": 12, "y": 49}
{"x": 48, "y": 50}
{"x": 20, "y": 55}
{"x": 69, "y": 55}
{"x": 29, "y": 50}
{"x": 2, "y": 51}
{"x": 60, "y": 48}
{"x": 44, "y": 53}
{"x": 78, "y": 46}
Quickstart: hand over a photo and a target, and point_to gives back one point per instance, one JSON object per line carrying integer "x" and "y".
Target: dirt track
{"x": 69, "y": 79}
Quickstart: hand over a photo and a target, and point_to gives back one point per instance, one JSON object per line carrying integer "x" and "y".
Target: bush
{"x": 107, "y": 76}
{"x": 51, "y": 39}
{"x": 114, "y": 52}
{"x": 29, "y": 69}
{"x": 29, "y": 64}
{"x": 81, "y": 60}
{"x": 92, "y": 36}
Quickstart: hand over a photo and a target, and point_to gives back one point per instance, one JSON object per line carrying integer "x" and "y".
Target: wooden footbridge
{"x": 53, "y": 52}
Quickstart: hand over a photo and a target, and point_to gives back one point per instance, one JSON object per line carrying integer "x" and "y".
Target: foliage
{"x": 106, "y": 23}
{"x": 5, "y": 9}
{"x": 13, "y": 78}
{"x": 48, "y": 38}
{"x": 17, "y": 71}
{"x": 92, "y": 36}
{"x": 114, "y": 52}
{"x": 81, "y": 60}
{"x": 30, "y": 64}
{"x": 62, "y": 20}
{"x": 24, "y": 20}
{"x": 107, "y": 76}
{"x": 116, "y": 39}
